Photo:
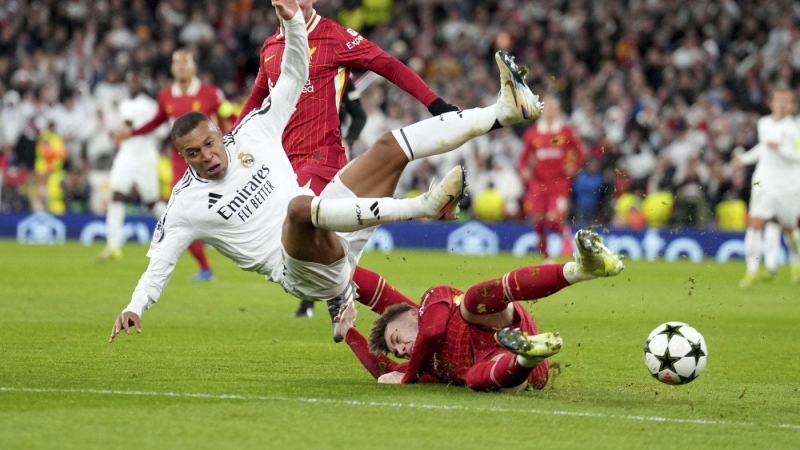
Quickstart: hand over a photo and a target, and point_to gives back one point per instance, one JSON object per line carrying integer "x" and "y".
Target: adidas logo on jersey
{"x": 213, "y": 199}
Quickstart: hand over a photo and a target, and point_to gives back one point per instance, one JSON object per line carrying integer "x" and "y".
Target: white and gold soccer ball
{"x": 675, "y": 353}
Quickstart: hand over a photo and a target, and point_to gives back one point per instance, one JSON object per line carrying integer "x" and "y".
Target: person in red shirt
{"x": 453, "y": 337}
{"x": 186, "y": 94}
{"x": 312, "y": 138}
{"x": 551, "y": 156}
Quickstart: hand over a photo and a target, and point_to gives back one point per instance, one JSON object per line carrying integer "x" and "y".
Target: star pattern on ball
{"x": 696, "y": 352}
{"x": 667, "y": 361}
{"x": 672, "y": 330}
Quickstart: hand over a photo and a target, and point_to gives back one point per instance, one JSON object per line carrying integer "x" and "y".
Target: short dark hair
{"x": 377, "y": 335}
{"x": 186, "y": 123}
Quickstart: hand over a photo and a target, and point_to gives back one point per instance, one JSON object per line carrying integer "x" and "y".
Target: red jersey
{"x": 446, "y": 346}
{"x": 312, "y": 135}
{"x": 172, "y": 103}
{"x": 554, "y": 153}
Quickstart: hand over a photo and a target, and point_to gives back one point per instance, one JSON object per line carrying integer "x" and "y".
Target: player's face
{"x": 401, "y": 333}
{"x": 183, "y": 66}
{"x": 782, "y": 103}
{"x": 202, "y": 149}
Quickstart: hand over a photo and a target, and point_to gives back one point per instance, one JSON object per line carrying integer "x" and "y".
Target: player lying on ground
{"x": 240, "y": 193}
{"x": 481, "y": 338}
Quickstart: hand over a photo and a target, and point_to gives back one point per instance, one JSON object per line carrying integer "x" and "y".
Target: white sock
{"x": 573, "y": 273}
{"x": 526, "y": 361}
{"x": 115, "y": 218}
{"x": 753, "y": 244}
{"x": 444, "y": 133}
{"x": 351, "y": 214}
{"x": 772, "y": 246}
{"x": 158, "y": 209}
{"x": 793, "y": 244}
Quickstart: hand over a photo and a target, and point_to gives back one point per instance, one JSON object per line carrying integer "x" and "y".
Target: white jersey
{"x": 242, "y": 214}
{"x": 136, "y": 112}
{"x": 777, "y": 171}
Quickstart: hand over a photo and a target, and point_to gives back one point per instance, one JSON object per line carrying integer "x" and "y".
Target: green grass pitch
{"x": 221, "y": 365}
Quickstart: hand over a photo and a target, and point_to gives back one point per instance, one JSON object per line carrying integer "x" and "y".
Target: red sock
{"x": 527, "y": 283}
{"x": 375, "y": 292}
{"x": 505, "y": 372}
{"x": 198, "y": 250}
{"x": 539, "y": 376}
{"x": 539, "y": 229}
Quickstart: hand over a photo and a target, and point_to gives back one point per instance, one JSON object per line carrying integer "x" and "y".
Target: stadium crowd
{"x": 662, "y": 93}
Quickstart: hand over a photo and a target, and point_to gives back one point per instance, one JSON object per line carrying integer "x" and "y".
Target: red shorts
{"x": 466, "y": 345}
{"x": 317, "y": 175}
{"x": 550, "y": 197}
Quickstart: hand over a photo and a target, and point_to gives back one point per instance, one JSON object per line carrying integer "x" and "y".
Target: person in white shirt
{"x": 241, "y": 195}
{"x": 775, "y": 187}
{"x": 135, "y": 167}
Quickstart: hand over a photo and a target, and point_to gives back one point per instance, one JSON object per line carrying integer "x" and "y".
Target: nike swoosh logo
{"x": 311, "y": 51}
{"x": 268, "y": 58}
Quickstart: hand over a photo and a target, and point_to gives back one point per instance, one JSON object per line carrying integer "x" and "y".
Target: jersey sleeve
{"x": 150, "y": 286}
{"x": 257, "y": 95}
{"x": 376, "y": 365}
{"x": 360, "y": 53}
{"x": 173, "y": 234}
{"x": 274, "y": 113}
{"x": 160, "y": 117}
{"x": 432, "y": 329}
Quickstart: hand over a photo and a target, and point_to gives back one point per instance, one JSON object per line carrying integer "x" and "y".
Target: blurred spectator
{"x": 647, "y": 85}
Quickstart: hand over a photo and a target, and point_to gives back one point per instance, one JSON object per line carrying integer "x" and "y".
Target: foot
{"x": 749, "y": 280}
{"x": 335, "y": 307}
{"x": 203, "y": 275}
{"x": 305, "y": 310}
{"x": 595, "y": 258}
{"x": 442, "y": 200}
{"x": 109, "y": 254}
{"x": 515, "y": 102}
{"x": 518, "y": 342}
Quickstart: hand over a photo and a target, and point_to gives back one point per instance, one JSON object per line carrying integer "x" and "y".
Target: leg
{"x": 198, "y": 251}
{"x": 753, "y": 245}
{"x": 772, "y": 249}
{"x": 792, "y": 237}
{"x": 115, "y": 219}
{"x": 315, "y": 177}
{"x": 373, "y": 291}
{"x": 375, "y": 173}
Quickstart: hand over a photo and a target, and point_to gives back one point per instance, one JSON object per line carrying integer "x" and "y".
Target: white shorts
{"x": 785, "y": 209}
{"x": 313, "y": 281}
{"x": 140, "y": 172}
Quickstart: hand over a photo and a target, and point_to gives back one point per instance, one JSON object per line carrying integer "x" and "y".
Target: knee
{"x": 299, "y": 210}
{"x": 389, "y": 150}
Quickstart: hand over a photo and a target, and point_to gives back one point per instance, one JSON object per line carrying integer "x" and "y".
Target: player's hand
{"x": 736, "y": 163}
{"x": 774, "y": 146}
{"x": 439, "y": 107}
{"x": 124, "y": 322}
{"x": 286, "y": 9}
{"x": 391, "y": 378}
{"x": 347, "y": 318}
{"x": 121, "y": 135}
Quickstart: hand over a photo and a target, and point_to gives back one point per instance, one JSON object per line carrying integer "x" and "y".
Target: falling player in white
{"x": 135, "y": 166}
{"x": 241, "y": 195}
{"x": 775, "y": 187}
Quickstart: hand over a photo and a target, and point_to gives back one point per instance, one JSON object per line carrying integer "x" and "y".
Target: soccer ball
{"x": 675, "y": 353}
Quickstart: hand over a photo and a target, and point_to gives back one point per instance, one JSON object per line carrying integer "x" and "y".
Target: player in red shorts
{"x": 481, "y": 338}
{"x": 186, "y": 94}
{"x": 551, "y": 156}
{"x": 312, "y": 138}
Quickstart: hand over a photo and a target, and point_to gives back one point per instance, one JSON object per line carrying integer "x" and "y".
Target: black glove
{"x": 439, "y": 107}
